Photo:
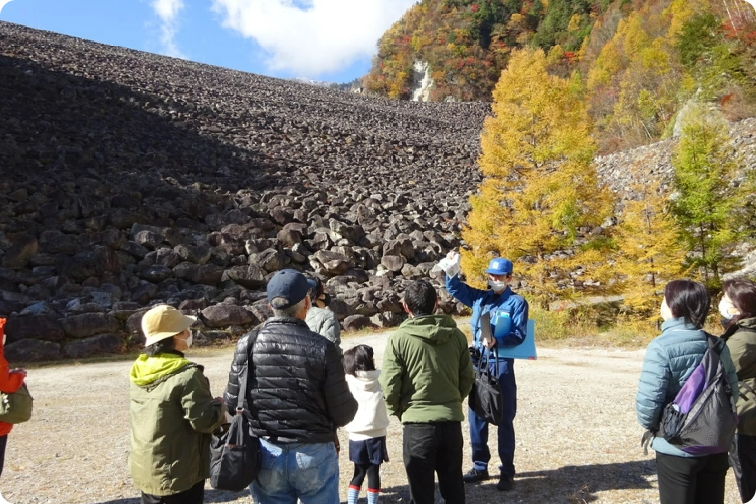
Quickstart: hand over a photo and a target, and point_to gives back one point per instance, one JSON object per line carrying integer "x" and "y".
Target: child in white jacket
{"x": 367, "y": 431}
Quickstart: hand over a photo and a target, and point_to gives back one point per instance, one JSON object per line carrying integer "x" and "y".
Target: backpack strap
{"x": 715, "y": 343}
{"x": 648, "y": 436}
{"x": 750, "y": 389}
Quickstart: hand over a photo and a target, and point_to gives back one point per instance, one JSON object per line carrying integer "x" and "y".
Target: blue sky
{"x": 331, "y": 40}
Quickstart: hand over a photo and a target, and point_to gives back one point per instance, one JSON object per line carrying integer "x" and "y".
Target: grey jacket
{"x": 325, "y": 323}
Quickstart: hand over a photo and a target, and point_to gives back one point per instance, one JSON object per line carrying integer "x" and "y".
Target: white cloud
{"x": 168, "y": 11}
{"x": 312, "y": 37}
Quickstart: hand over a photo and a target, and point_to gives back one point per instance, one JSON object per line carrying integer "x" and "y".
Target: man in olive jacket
{"x": 296, "y": 396}
{"x": 427, "y": 373}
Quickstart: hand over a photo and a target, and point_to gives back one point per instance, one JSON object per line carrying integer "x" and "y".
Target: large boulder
{"x": 96, "y": 345}
{"x": 88, "y": 324}
{"x": 44, "y": 327}
{"x": 223, "y": 315}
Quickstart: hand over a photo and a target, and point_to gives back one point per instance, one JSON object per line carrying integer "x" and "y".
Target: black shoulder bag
{"x": 485, "y": 397}
{"x": 234, "y": 450}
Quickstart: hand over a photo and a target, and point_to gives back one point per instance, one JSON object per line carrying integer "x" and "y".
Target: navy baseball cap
{"x": 499, "y": 266}
{"x": 290, "y": 285}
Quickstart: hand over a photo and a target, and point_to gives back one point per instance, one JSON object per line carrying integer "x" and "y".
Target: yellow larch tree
{"x": 540, "y": 195}
{"x": 651, "y": 249}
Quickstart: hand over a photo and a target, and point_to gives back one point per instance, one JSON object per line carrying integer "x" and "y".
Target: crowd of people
{"x": 301, "y": 388}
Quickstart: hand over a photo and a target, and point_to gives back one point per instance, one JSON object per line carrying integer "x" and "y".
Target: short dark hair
{"x": 162, "y": 346}
{"x": 689, "y": 300}
{"x": 358, "y": 358}
{"x": 742, "y": 293}
{"x": 420, "y": 298}
{"x": 316, "y": 291}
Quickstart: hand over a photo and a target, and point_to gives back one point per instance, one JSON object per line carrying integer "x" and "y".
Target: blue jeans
{"x": 505, "y": 430}
{"x": 290, "y": 471}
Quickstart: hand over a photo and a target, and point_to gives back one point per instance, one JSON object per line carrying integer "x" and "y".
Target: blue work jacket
{"x": 502, "y": 305}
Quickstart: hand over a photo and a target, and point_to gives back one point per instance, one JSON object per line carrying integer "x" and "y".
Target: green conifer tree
{"x": 707, "y": 205}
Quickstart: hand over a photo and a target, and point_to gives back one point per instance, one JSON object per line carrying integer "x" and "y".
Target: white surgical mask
{"x": 497, "y": 285}
{"x": 188, "y": 341}
{"x": 664, "y": 311}
{"x": 727, "y": 309}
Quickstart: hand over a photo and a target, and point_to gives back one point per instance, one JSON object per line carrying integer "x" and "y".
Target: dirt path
{"x": 577, "y": 438}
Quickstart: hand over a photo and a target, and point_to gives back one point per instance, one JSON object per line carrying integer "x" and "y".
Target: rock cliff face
{"x": 129, "y": 179}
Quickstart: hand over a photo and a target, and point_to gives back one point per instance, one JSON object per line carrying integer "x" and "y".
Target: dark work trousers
{"x": 3, "y": 443}
{"x": 743, "y": 463}
{"x": 505, "y": 430}
{"x": 430, "y": 448}
{"x": 691, "y": 480}
{"x": 194, "y": 495}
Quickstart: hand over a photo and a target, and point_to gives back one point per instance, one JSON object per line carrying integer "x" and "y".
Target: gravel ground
{"x": 577, "y": 438}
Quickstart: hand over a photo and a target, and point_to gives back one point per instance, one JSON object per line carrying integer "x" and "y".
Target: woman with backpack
{"x": 738, "y": 310}
{"x": 684, "y": 478}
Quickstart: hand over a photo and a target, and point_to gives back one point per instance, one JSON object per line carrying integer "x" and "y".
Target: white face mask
{"x": 497, "y": 285}
{"x": 188, "y": 340}
{"x": 727, "y": 309}
{"x": 664, "y": 311}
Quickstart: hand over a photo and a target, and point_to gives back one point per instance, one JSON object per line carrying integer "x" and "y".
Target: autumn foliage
{"x": 540, "y": 193}
{"x": 641, "y": 60}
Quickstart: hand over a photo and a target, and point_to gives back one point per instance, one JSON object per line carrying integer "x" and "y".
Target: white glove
{"x": 450, "y": 264}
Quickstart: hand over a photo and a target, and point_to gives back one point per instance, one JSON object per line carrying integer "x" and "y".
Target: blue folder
{"x": 525, "y": 350}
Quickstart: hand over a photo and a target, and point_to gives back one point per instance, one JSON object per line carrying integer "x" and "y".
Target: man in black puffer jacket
{"x": 296, "y": 397}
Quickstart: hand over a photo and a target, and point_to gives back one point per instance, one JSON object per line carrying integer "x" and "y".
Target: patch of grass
{"x": 597, "y": 325}
{"x": 367, "y": 331}
{"x": 630, "y": 334}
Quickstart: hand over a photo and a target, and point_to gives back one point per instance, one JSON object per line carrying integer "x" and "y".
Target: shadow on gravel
{"x": 211, "y": 496}
{"x": 581, "y": 483}
{"x": 568, "y": 485}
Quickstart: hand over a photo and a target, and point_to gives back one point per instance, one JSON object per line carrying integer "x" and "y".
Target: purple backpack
{"x": 702, "y": 418}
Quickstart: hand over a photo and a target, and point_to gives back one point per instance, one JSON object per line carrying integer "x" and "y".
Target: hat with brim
{"x": 163, "y": 322}
{"x": 499, "y": 266}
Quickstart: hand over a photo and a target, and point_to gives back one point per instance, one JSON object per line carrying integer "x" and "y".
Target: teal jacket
{"x": 427, "y": 370}
{"x": 670, "y": 359}
{"x": 172, "y": 414}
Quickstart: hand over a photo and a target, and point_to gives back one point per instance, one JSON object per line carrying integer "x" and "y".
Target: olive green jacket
{"x": 741, "y": 340}
{"x": 427, "y": 370}
{"x": 172, "y": 414}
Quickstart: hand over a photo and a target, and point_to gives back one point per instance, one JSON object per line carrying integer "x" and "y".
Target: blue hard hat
{"x": 499, "y": 266}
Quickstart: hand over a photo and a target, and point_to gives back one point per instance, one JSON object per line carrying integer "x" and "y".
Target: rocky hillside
{"x": 129, "y": 179}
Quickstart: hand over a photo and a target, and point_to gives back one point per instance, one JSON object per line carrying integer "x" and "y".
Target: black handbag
{"x": 485, "y": 397}
{"x": 234, "y": 450}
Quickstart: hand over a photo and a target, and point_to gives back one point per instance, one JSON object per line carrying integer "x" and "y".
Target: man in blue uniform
{"x": 506, "y": 308}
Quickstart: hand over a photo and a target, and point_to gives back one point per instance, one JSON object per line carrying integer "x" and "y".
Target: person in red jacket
{"x": 10, "y": 381}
